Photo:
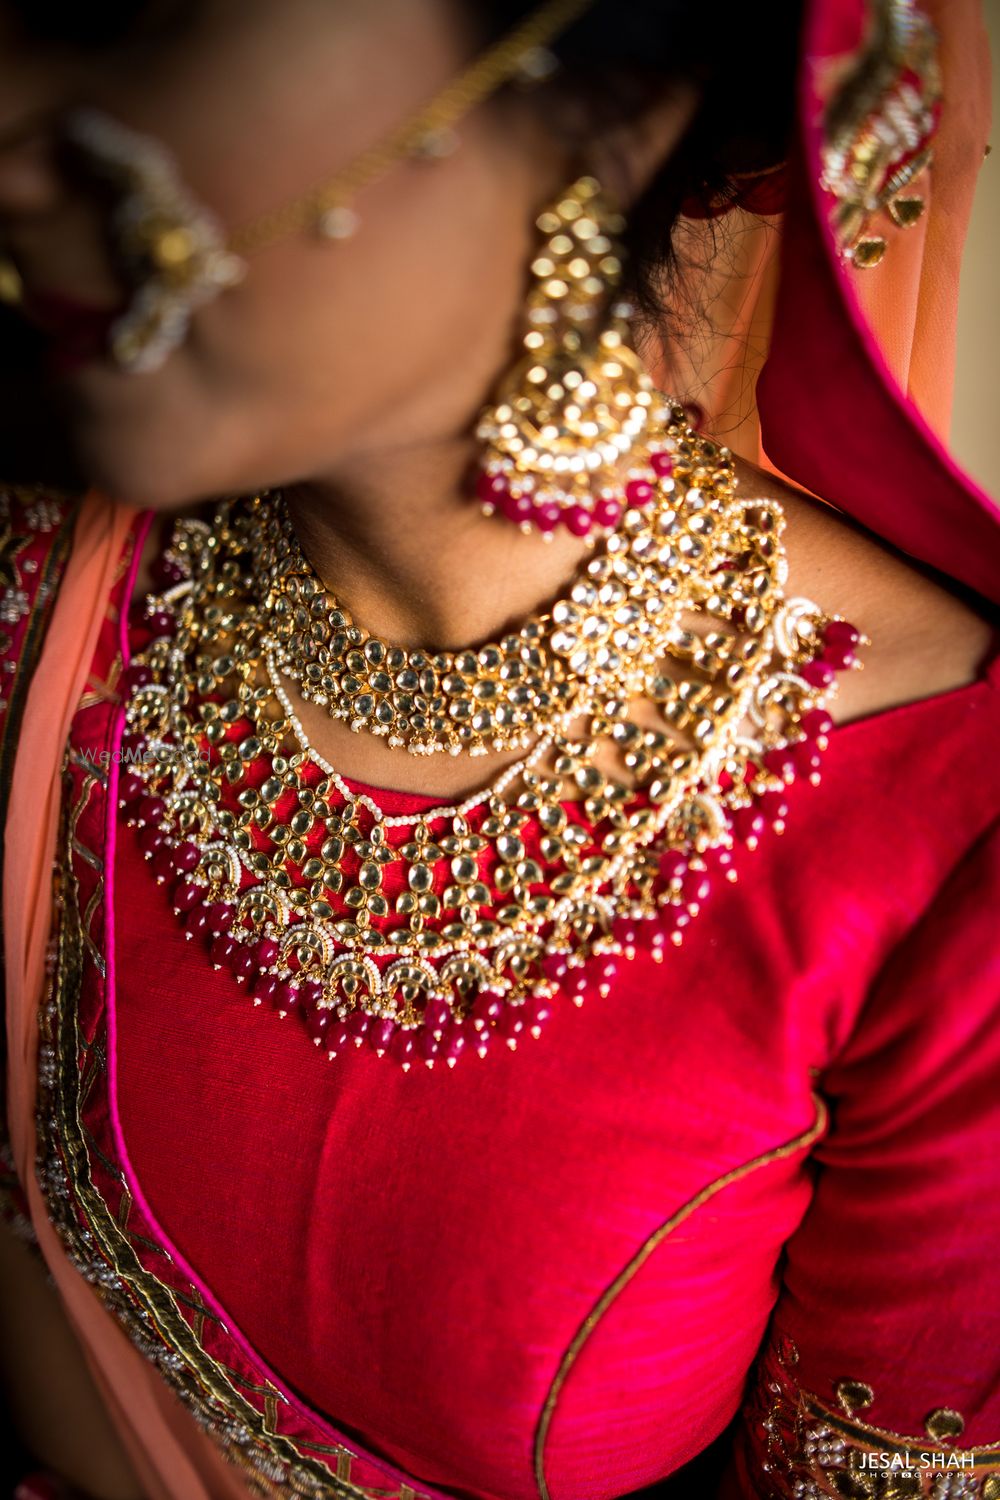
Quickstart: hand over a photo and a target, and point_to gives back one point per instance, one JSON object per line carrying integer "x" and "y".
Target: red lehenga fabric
{"x": 753, "y": 1190}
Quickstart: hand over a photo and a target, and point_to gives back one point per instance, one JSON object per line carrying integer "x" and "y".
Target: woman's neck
{"x": 403, "y": 544}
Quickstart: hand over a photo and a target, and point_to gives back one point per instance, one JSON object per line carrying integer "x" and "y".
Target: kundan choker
{"x": 653, "y": 744}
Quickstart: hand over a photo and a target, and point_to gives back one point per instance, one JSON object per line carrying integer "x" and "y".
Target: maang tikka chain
{"x": 566, "y": 441}
{"x": 176, "y": 254}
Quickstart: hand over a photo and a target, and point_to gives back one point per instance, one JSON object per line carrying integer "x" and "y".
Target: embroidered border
{"x": 801, "y": 1447}
{"x": 879, "y": 126}
{"x": 36, "y": 530}
{"x": 101, "y": 1248}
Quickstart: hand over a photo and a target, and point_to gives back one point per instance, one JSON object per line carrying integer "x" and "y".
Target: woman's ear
{"x": 626, "y": 157}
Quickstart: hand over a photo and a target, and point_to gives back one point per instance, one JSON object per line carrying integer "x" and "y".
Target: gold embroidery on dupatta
{"x": 804, "y": 1448}
{"x": 879, "y": 123}
{"x": 97, "y": 1245}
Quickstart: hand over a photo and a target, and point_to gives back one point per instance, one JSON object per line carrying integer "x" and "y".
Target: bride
{"x": 501, "y": 833}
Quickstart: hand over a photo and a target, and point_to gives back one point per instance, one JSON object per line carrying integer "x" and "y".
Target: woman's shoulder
{"x": 926, "y": 638}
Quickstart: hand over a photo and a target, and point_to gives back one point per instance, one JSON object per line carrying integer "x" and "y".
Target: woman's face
{"x": 327, "y": 351}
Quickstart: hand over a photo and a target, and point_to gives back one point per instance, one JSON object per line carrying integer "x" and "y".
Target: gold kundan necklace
{"x": 663, "y": 706}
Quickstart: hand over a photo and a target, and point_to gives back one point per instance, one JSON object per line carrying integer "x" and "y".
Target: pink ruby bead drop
{"x": 286, "y": 995}
{"x": 639, "y": 492}
{"x": 187, "y": 857}
{"x": 486, "y": 1009}
{"x": 838, "y": 657}
{"x": 807, "y": 757}
{"x": 672, "y": 864}
{"x": 265, "y": 953}
{"x": 316, "y": 1024}
{"x": 607, "y": 512}
{"x": 381, "y": 1032}
{"x": 815, "y": 723}
{"x": 221, "y": 951}
{"x": 160, "y": 623}
{"x": 452, "y": 1042}
{"x": 661, "y": 464}
{"x": 512, "y": 1023}
{"x": 492, "y": 489}
{"x": 187, "y": 895}
{"x": 437, "y": 1013}
{"x": 780, "y": 761}
{"x": 264, "y": 990}
{"x": 579, "y": 984}
{"x": 311, "y": 992}
{"x": 841, "y": 633}
{"x": 241, "y": 962}
{"x": 150, "y": 809}
{"x": 578, "y": 521}
{"x": 220, "y": 917}
{"x": 538, "y": 1009}
{"x": 151, "y": 840}
{"x": 555, "y": 967}
{"x": 197, "y": 923}
{"x": 430, "y": 1047}
{"x": 547, "y": 516}
{"x": 629, "y": 934}
{"x": 337, "y": 1036}
{"x": 606, "y": 970}
{"x": 131, "y": 788}
{"x": 773, "y": 805}
{"x": 404, "y": 1047}
{"x": 817, "y": 673}
{"x": 748, "y": 823}
{"x": 357, "y": 1023}
{"x": 517, "y": 508}
{"x": 163, "y": 864}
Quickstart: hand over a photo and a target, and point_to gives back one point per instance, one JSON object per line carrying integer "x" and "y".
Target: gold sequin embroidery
{"x": 802, "y": 1447}
{"x": 879, "y": 124}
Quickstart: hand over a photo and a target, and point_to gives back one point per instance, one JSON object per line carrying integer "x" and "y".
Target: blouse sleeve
{"x": 35, "y": 532}
{"x": 880, "y": 1375}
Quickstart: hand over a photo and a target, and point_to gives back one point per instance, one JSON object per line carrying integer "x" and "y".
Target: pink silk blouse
{"x": 753, "y": 1191}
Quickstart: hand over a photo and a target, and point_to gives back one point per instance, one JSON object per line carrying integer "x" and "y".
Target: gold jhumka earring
{"x": 567, "y": 439}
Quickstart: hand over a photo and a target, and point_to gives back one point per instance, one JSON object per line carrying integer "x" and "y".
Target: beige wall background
{"x": 975, "y": 432}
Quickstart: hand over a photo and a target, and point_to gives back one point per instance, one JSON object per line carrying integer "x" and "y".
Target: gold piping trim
{"x": 646, "y": 1249}
{"x": 132, "y": 1289}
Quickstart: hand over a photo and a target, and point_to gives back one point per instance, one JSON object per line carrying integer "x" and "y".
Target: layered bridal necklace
{"x": 660, "y": 708}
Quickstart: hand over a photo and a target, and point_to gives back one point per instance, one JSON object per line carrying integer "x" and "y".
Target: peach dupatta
{"x": 170, "y": 1454}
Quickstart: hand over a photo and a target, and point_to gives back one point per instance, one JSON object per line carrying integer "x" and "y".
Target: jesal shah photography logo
{"x": 884, "y": 1461}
